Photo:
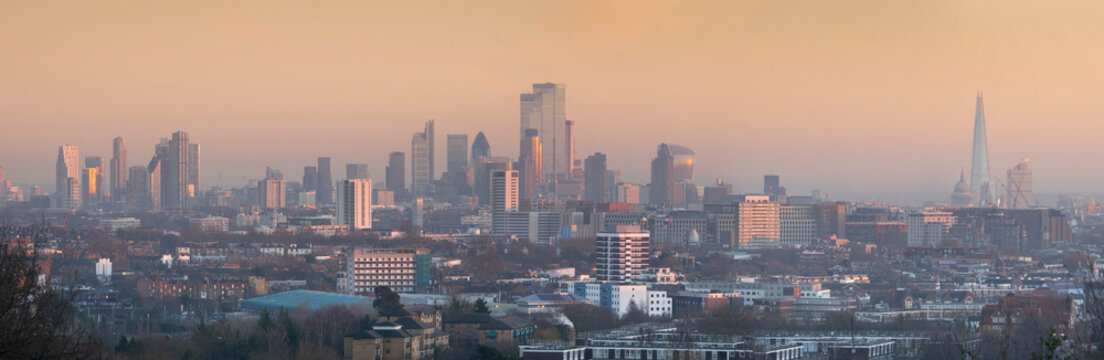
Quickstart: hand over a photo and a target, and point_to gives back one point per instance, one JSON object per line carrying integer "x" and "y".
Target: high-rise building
{"x": 176, "y": 166}
{"x": 310, "y": 179}
{"x": 797, "y": 225}
{"x": 683, "y": 159}
{"x": 757, "y": 222}
{"x": 457, "y": 147}
{"x": 979, "y": 168}
{"x": 663, "y": 177}
{"x": 627, "y": 193}
{"x": 68, "y": 167}
{"x": 420, "y": 175}
{"x": 193, "y": 173}
{"x": 156, "y": 187}
{"x": 356, "y": 171}
{"x": 621, "y": 255}
{"x": 529, "y": 165}
{"x": 569, "y": 135}
{"x": 396, "y": 173}
{"x": 92, "y": 181}
{"x": 545, "y": 110}
{"x": 138, "y": 189}
{"x": 272, "y": 193}
{"x": 325, "y": 184}
{"x": 717, "y": 194}
{"x": 402, "y": 270}
{"x": 594, "y": 173}
{"x": 431, "y": 143}
{"x": 118, "y": 169}
{"x": 1019, "y": 186}
{"x": 482, "y": 176}
{"x": 480, "y": 148}
{"x": 354, "y": 203}
{"x": 772, "y": 187}
{"x": 927, "y": 228}
{"x": 504, "y": 198}
{"x": 831, "y": 220}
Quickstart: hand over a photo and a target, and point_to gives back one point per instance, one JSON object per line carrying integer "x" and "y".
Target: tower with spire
{"x": 980, "y": 185}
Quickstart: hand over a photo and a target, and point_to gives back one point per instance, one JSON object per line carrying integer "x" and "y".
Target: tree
{"x": 387, "y": 301}
{"x": 36, "y": 321}
{"x": 481, "y": 307}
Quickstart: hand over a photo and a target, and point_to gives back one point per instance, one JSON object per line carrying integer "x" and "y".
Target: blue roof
{"x": 313, "y": 300}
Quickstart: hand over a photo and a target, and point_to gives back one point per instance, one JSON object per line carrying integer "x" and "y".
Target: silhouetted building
{"x": 594, "y": 187}
{"x": 396, "y": 173}
{"x": 979, "y": 168}
{"x": 457, "y": 153}
{"x": 545, "y": 110}
{"x": 310, "y": 179}
{"x": 483, "y": 170}
{"x": 325, "y": 185}
{"x": 772, "y": 187}
{"x": 118, "y": 169}
{"x": 661, "y": 190}
{"x": 421, "y": 161}
{"x": 480, "y": 148}
{"x": 961, "y": 196}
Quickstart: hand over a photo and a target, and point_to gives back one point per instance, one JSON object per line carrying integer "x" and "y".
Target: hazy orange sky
{"x": 863, "y": 100}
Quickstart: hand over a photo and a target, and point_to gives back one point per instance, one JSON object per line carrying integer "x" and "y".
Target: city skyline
{"x": 870, "y": 91}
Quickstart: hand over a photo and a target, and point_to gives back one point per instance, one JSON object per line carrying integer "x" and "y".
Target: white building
{"x": 120, "y": 223}
{"x": 103, "y": 269}
{"x": 798, "y": 225}
{"x": 622, "y": 255}
{"x": 354, "y": 203}
{"x": 619, "y": 298}
{"x": 927, "y": 228}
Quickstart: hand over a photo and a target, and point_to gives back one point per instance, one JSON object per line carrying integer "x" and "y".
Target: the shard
{"x": 979, "y": 169}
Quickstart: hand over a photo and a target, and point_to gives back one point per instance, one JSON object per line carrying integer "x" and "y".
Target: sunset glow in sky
{"x": 862, "y": 100}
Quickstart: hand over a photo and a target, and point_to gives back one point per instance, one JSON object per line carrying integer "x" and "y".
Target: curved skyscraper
{"x": 480, "y": 148}
{"x": 982, "y": 191}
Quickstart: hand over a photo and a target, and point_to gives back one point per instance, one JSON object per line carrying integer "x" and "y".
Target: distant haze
{"x": 864, "y": 100}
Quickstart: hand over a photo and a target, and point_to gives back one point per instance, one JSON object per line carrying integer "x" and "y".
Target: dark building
{"x": 480, "y": 148}
{"x": 396, "y": 173}
{"x": 594, "y": 186}
{"x": 893, "y": 235}
{"x": 831, "y": 220}
{"x": 772, "y": 186}
{"x": 310, "y": 178}
{"x": 324, "y": 194}
{"x": 662, "y": 186}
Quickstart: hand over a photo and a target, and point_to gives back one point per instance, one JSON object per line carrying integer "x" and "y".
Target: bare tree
{"x": 36, "y": 320}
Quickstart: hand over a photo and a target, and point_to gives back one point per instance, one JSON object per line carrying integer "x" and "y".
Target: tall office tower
{"x": 68, "y": 167}
{"x": 138, "y": 189}
{"x": 757, "y": 222}
{"x": 420, "y": 175}
{"x": 480, "y": 148}
{"x": 594, "y": 174}
{"x": 482, "y": 176}
{"x": 396, "y": 173}
{"x": 831, "y": 220}
{"x": 156, "y": 188}
{"x": 271, "y": 193}
{"x": 961, "y": 196}
{"x": 545, "y": 110}
{"x": 429, "y": 133}
{"x": 356, "y": 171}
{"x": 797, "y": 225}
{"x": 979, "y": 167}
{"x": 354, "y": 203}
{"x": 504, "y": 198}
{"x": 927, "y": 228}
{"x": 529, "y": 164}
{"x": 621, "y": 255}
{"x": 310, "y": 178}
{"x": 1019, "y": 186}
{"x": 457, "y": 159}
{"x": 569, "y": 136}
{"x": 92, "y": 181}
{"x": 193, "y": 173}
{"x": 663, "y": 177}
{"x": 683, "y": 169}
{"x": 175, "y": 183}
{"x": 118, "y": 169}
{"x": 325, "y": 184}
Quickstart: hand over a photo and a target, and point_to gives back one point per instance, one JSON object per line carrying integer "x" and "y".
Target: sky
{"x": 866, "y": 100}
